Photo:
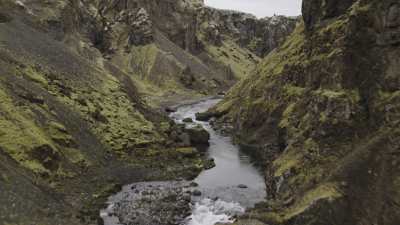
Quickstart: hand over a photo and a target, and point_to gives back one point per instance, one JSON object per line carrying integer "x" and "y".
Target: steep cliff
{"x": 260, "y": 36}
{"x": 323, "y": 112}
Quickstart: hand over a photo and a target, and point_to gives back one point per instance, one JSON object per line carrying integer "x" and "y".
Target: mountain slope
{"x": 323, "y": 112}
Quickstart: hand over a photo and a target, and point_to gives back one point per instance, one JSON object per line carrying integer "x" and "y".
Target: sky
{"x": 260, "y": 8}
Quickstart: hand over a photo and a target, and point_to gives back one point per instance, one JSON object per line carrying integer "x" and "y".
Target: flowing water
{"x": 221, "y": 195}
{"x": 233, "y": 185}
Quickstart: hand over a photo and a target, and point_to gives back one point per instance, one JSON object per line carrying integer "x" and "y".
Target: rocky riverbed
{"x": 155, "y": 203}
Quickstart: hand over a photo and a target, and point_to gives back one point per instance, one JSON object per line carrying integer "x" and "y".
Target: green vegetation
{"x": 240, "y": 60}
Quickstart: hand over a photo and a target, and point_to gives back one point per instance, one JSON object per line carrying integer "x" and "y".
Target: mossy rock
{"x": 188, "y": 152}
{"x": 198, "y": 135}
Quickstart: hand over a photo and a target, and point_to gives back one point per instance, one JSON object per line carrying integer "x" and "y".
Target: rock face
{"x": 323, "y": 113}
{"x": 260, "y": 36}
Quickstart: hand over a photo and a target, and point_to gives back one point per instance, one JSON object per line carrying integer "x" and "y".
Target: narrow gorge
{"x": 171, "y": 112}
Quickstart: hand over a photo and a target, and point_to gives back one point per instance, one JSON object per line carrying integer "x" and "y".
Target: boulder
{"x": 170, "y": 110}
{"x": 242, "y": 186}
{"x": 209, "y": 164}
{"x": 184, "y": 139}
{"x": 198, "y": 135}
{"x": 204, "y": 116}
{"x": 196, "y": 193}
{"x": 188, "y": 120}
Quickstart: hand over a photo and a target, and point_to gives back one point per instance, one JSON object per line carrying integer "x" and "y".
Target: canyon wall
{"x": 322, "y": 111}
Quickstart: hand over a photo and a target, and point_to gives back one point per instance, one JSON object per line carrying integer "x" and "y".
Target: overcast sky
{"x": 260, "y": 8}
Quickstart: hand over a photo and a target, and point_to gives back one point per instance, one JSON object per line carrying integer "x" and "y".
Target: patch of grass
{"x": 327, "y": 191}
{"x": 285, "y": 121}
{"x": 20, "y": 135}
{"x": 240, "y": 60}
{"x": 290, "y": 159}
{"x": 293, "y": 91}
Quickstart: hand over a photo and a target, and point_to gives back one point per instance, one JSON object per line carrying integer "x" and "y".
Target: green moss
{"x": 389, "y": 96}
{"x": 360, "y": 8}
{"x": 224, "y": 106}
{"x": 331, "y": 93}
{"x": 311, "y": 146}
{"x": 290, "y": 159}
{"x": 353, "y": 95}
{"x": 334, "y": 26}
{"x": 142, "y": 59}
{"x": 285, "y": 121}
{"x": 187, "y": 152}
{"x": 294, "y": 91}
{"x": 290, "y": 53}
{"x": 33, "y": 75}
{"x": 323, "y": 117}
{"x": 328, "y": 191}
{"x": 232, "y": 55}
{"x": 20, "y": 134}
{"x": 254, "y": 43}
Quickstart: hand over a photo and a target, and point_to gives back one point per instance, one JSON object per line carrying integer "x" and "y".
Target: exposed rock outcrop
{"x": 323, "y": 113}
{"x": 260, "y": 36}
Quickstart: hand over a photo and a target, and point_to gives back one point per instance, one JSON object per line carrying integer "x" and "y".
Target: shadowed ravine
{"x": 226, "y": 190}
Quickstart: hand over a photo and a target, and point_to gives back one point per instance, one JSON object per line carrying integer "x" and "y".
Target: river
{"x": 233, "y": 185}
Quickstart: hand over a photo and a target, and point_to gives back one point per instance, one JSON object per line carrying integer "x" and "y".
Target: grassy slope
{"x": 316, "y": 111}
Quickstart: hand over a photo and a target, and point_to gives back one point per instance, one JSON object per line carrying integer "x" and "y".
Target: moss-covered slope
{"x": 73, "y": 125}
{"x": 323, "y": 112}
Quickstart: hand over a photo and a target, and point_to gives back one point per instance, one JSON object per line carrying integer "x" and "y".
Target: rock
{"x": 242, "y": 186}
{"x": 317, "y": 11}
{"x": 193, "y": 184}
{"x": 196, "y": 193}
{"x": 198, "y": 135}
{"x": 209, "y": 164}
{"x": 393, "y": 16}
{"x": 221, "y": 93}
{"x": 170, "y": 110}
{"x": 260, "y": 36}
{"x": 184, "y": 138}
{"x": 204, "y": 116}
{"x": 188, "y": 120}
{"x": 142, "y": 29}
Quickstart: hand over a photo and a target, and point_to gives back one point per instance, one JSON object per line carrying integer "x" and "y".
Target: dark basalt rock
{"x": 188, "y": 120}
{"x": 198, "y": 135}
{"x": 391, "y": 30}
{"x": 196, "y": 193}
{"x": 315, "y": 11}
{"x": 204, "y": 116}
{"x": 170, "y": 110}
{"x": 209, "y": 164}
{"x": 242, "y": 186}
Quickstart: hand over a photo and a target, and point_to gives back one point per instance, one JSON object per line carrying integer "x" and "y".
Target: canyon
{"x": 89, "y": 88}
